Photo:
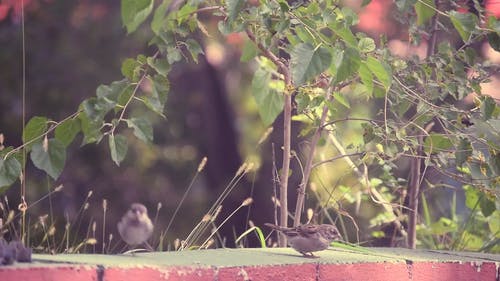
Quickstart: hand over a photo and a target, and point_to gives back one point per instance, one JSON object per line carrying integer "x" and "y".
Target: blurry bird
{"x": 308, "y": 238}
{"x": 7, "y": 254}
{"x": 136, "y": 227}
{"x": 21, "y": 252}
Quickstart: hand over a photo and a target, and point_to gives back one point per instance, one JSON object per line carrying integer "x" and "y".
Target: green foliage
{"x": 135, "y": 12}
{"x": 143, "y": 129}
{"x": 49, "y": 156}
{"x": 34, "y": 130}
{"x": 381, "y": 70}
{"x": 101, "y": 115}
{"x": 307, "y": 49}
{"x": 10, "y": 170}
{"x": 257, "y": 231}
{"x": 425, "y": 10}
{"x": 465, "y": 24}
{"x": 474, "y": 230}
{"x": 118, "y": 147}
{"x": 307, "y": 62}
{"x": 67, "y": 131}
{"x": 267, "y": 92}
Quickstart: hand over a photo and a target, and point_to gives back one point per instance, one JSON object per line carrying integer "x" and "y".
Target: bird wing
{"x": 308, "y": 230}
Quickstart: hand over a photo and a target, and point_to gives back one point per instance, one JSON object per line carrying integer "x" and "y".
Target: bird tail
{"x": 273, "y": 226}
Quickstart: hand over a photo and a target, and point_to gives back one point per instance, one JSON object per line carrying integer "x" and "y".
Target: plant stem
{"x": 309, "y": 162}
{"x": 287, "y": 126}
{"x": 416, "y": 162}
{"x": 416, "y": 178}
{"x": 287, "y": 122}
{"x": 49, "y": 130}
{"x": 414, "y": 190}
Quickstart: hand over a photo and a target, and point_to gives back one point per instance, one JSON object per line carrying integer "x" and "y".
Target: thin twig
{"x": 336, "y": 158}
{"x": 365, "y": 182}
{"x": 49, "y": 130}
{"x": 132, "y": 96}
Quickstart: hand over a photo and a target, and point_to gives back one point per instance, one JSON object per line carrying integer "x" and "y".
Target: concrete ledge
{"x": 261, "y": 264}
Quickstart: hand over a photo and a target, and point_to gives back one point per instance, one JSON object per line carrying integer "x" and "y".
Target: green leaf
{"x": 269, "y": 101}
{"x": 159, "y": 93}
{"x": 366, "y": 77}
{"x": 494, "y": 223}
{"x": 494, "y": 40}
{"x": 128, "y": 68}
{"x": 443, "y": 226}
{"x": 471, "y": 197}
{"x": 249, "y": 51}
{"x": 341, "y": 99}
{"x": 303, "y": 34}
{"x": 118, "y": 147}
{"x": 185, "y": 12}
{"x": 347, "y": 16}
{"x": 425, "y": 210}
{"x": 345, "y": 63}
{"x": 67, "y": 131}
{"x": 464, "y": 23}
{"x": 425, "y": 10}
{"x": 50, "y": 158}
{"x": 366, "y": 45}
{"x": 159, "y": 65}
{"x": 10, "y": 170}
{"x": 436, "y": 143}
{"x": 194, "y": 49}
{"x": 173, "y": 55}
{"x": 108, "y": 95}
{"x": 233, "y": 8}
{"x": 344, "y": 33}
{"x": 259, "y": 233}
{"x": 142, "y": 128}
{"x": 487, "y": 205}
{"x": 107, "y": 98}
{"x": 135, "y": 12}
{"x": 365, "y": 2}
{"x": 381, "y": 70}
{"x": 36, "y": 127}
{"x": 471, "y": 242}
{"x": 123, "y": 98}
{"x": 308, "y": 62}
{"x": 463, "y": 152}
{"x": 91, "y": 129}
{"x": 488, "y": 106}
{"x": 96, "y": 110}
{"x": 159, "y": 16}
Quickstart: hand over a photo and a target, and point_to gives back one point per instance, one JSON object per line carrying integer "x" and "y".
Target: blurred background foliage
{"x": 72, "y": 47}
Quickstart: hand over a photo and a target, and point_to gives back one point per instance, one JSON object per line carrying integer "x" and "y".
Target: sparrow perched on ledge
{"x": 308, "y": 238}
{"x": 136, "y": 227}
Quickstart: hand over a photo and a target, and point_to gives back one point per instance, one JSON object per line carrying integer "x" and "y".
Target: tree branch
{"x": 416, "y": 162}
{"x": 287, "y": 124}
{"x": 301, "y": 191}
{"x": 414, "y": 189}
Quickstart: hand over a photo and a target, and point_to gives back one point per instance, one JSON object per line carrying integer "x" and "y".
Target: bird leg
{"x": 310, "y": 255}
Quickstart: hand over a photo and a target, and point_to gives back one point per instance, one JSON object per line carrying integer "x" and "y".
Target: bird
{"x": 135, "y": 227}
{"x": 309, "y": 238}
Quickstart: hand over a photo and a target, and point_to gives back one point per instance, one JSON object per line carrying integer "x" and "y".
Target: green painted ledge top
{"x": 260, "y": 256}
